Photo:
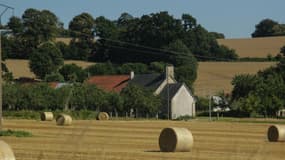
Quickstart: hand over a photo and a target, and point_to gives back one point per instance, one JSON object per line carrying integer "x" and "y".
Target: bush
{"x": 15, "y": 133}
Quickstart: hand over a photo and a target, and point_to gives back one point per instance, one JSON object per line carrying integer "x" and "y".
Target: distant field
{"x": 212, "y": 76}
{"x": 20, "y": 68}
{"x": 217, "y": 76}
{"x": 255, "y": 47}
{"x": 129, "y": 140}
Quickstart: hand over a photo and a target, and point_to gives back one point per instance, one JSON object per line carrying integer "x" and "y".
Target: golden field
{"x": 255, "y": 47}
{"x": 215, "y": 77}
{"x": 212, "y": 77}
{"x": 20, "y": 68}
{"x": 128, "y": 140}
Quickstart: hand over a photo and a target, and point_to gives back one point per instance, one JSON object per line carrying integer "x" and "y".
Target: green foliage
{"x": 261, "y": 94}
{"x": 243, "y": 84}
{"x": 101, "y": 69}
{"x": 105, "y": 28}
{"x": 54, "y": 77}
{"x": 268, "y": 27}
{"x": 142, "y": 100}
{"x": 217, "y": 35}
{"x": 157, "y": 67}
{"x": 202, "y": 104}
{"x": 186, "y": 74}
{"x": 10, "y": 132}
{"x": 16, "y": 25}
{"x": 39, "y": 26}
{"x": 82, "y": 27}
{"x": 45, "y": 60}
{"x": 138, "y": 68}
{"x": 73, "y": 73}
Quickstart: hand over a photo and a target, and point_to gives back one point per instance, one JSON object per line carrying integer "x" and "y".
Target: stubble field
{"x": 128, "y": 140}
{"x": 255, "y": 47}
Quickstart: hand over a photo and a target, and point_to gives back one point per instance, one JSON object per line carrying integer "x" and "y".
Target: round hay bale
{"x": 63, "y": 120}
{"x": 175, "y": 140}
{"x": 6, "y": 152}
{"x": 276, "y": 133}
{"x": 46, "y": 116}
{"x": 103, "y": 116}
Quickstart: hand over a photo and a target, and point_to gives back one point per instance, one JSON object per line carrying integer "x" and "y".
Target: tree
{"x": 73, "y": 73}
{"x": 16, "y": 25}
{"x": 217, "y": 35}
{"x": 124, "y": 19}
{"x": 105, "y": 28}
{"x": 265, "y": 28}
{"x": 142, "y": 100}
{"x": 82, "y": 27}
{"x": 189, "y": 22}
{"x": 243, "y": 85}
{"x": 45, "y": 60}
{"x": 39, "y": 26}
{"x": 54, "y": 77}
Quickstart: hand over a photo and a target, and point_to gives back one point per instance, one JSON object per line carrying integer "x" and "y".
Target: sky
{"x": 233, "y": 18}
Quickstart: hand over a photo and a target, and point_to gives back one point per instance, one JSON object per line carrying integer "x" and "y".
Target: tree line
{"x": 260, "y": 94}
{"x": 77, "y": 97}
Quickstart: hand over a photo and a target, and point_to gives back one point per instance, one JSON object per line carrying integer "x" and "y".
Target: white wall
{"x": 182, "y": 104}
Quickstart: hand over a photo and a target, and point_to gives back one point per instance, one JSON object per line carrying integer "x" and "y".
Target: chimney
{"x": 132, "y": 75}
{"x": 169, "y": 72}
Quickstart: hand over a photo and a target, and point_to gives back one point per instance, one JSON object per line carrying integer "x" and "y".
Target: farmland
{"x": 255, "y": 47}
{"x": 212, "y": 76}
{"x": 139, "y": 140}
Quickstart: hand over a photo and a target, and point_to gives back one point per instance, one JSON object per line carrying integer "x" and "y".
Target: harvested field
{"x": 214, "y": 77}
{"x": 255, "y": 47}
{"x": 91, "y": 140}
{"x": 20, "y": 68}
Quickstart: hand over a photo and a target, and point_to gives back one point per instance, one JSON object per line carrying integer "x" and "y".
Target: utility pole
{"x": 3, "y": 12}
{"x": 1, "y": 81}
{"x": 210, "y": 108}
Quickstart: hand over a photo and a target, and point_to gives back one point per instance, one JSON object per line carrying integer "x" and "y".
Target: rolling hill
{"x": 255, "y": 47}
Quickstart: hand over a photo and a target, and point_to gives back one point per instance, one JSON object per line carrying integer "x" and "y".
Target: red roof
{"x": 110, "y": 82}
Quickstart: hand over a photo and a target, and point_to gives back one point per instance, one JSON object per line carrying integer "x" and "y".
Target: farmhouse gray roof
{"x": 150, "y": 81}
{"x": 173, "y": 89}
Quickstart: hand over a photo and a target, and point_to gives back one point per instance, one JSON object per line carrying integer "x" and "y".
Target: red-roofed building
{"x": 110, "y": 82}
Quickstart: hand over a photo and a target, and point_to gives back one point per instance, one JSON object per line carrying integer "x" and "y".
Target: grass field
{"x": 212, "y": 76}
{"x": 127, "y": 140}
{"x": 255, "y": 47}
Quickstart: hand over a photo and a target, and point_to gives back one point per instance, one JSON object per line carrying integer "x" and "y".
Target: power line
{"x": 167, "y": 51}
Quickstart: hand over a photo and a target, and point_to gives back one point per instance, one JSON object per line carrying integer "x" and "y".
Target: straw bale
{"x": 176, "y": 140}
{"x": 46, "y": 116}
{"x": 63, "y": 120}
{"x": 276, "y": 133}
{"x": 103, "y": 116}
{"x": 6, "y": 152}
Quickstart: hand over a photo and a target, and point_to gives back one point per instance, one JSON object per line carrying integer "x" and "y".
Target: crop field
{"x": 127, "y": 140}
{"x": 215, "y": 77}
{"x": 255, "y": 47}
{"x": 20, "y": 68}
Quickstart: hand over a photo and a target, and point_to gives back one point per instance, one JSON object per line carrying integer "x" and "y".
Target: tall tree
{"x": 45, "y": 60}
{"x": 39, "y": 26}
{"x": 265, "y": 28}
{"x": 105, "y": 28}
{"x": 82, "y": 27}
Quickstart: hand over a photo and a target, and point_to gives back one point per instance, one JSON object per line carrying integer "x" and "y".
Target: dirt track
{"x": 139, "y": 140}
